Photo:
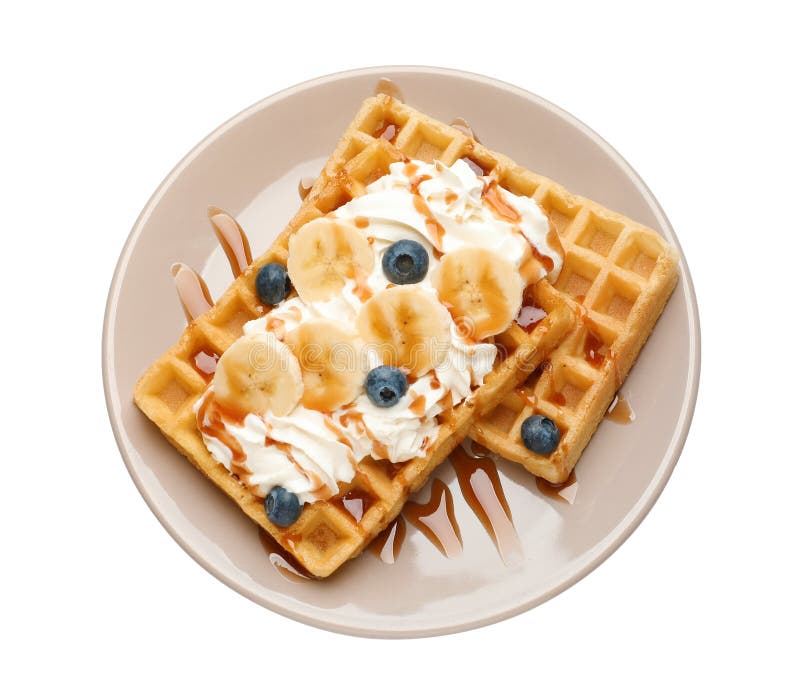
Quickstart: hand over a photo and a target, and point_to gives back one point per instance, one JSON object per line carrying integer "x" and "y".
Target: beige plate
{"x": 251, "y": 166}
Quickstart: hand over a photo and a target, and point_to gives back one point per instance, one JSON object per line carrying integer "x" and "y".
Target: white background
{"x": 100, "y": 102}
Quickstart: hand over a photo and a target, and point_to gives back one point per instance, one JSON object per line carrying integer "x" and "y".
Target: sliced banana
{"x": 258, "y": 373}
{"x": 482, "y": 290}
{"x": 407, "y": 327}
{"x": 330, "y": 361}
{"x": 325, "y": 252}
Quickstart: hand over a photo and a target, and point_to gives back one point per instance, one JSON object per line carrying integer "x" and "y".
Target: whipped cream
{"x": 317, "y": 450}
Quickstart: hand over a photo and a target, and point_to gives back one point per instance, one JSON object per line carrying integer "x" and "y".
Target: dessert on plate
{"x": 426, "y": 289}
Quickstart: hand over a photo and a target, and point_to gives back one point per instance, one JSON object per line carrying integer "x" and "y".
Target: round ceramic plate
{"x": 251, "y": 166}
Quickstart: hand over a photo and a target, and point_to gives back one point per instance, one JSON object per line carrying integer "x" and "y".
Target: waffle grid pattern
{"x": 327, "y": 534}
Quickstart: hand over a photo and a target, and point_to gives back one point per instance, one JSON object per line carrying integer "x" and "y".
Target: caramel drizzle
{"x": 565, "y": 492}
{"x": 192, "y": 291}
{"x": 284, "y": 562}
{"x": 417, "y": 406}
{"x": 481, "y": 488}
{"x": 232, "y": 238}
{"x": 205, "y": 362}
{"x": 498, "y": 204}
{"x": 620, "y": 410}
{"x": 388, "y": 543}
{"x": 210, "y": 422}
{"x": 529, "y": 316}
{"x": 436, "y": 519}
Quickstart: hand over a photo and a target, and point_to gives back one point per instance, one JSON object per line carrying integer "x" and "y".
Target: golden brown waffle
{"x": 327, "y": 532}
{"x": 617, "y": 277}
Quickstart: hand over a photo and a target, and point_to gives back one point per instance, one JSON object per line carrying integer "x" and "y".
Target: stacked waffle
{"x": 616, "y": 279}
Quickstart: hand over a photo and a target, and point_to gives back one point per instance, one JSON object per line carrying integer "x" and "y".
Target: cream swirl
{"x": 318, "y": 450}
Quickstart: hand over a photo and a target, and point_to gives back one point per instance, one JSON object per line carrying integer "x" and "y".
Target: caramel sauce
{"x": 435, "y": 229}
{"x": 436, "y": 519}
{"x": 481, "y": 487}
{"x": 529, "y": 316}
{"x": 277, "y": 327}
{"x": 283, "y": 561}
{"x": 387, "y": 131}
{"x": 498, "y": 204}
{"x": 417, "y": 406}
{"x": 192, "y": 291}
{"x": 361, "y": 222}
{"x": 210, "y": 421}
{"x": 593, "y": 350}
{"x": 523, "y": 395}
{"x": 304, "y": 186}
{"x": 435, "y": 383}
{"x": 232, "y": 238}
{"x": 557, "y": 398}
{"x": 355, "y": 502}
{"x": 477, "y": 168}
{"x": 388, "y": 542}
{"x": 450, "y": 196}
{"x": 205, "y": 362}
{"x": 461, "y": 124}
{"x": 379, "y": 450}
{"x": 620, "y": 410}
{"x": 409, "y": 169}
{"x": 388, "y": 87}
{"x": 566, "y": 491}
{"x": 416, "y": 181}
{"x": 362, "y": 291}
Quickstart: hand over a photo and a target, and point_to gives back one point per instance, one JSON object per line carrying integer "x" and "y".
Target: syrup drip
{"x": 529, "y": 316}
{"x": 388, "y": 543}
{"x": 304, "y": 186}
{"x": 620, "y": 410}
{"x": 284, "y": 562}
{"x": 558, "y": 398}
{"x": 388, "y": 87}
{"x": 593, "y": 350}
{"x": 472, "y": 164}
{"x": 355, "y": 502}
{"x": 387, "y": 131}
{"x": 211, "y": 419}
{"x": 232, "y": 238}
{"x": 480, "y": 485}
{"x": 499, "y": 206}
{"x": 417, "y": 406}
{"x": 192, "y": 291}
{"x": 463, "y": 125}
{"x": 205, "y": 362}
{"x": 565, "y": 492}
{"x": 436, "y": 519}
{"x": 435, "y": 229}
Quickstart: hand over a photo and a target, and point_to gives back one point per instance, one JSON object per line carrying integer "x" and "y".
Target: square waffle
{"x": 328, "y": 533}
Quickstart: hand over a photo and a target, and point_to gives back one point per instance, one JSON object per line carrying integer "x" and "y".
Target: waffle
{"x": 617, "y": 278}
{"x": 330, "y": 532}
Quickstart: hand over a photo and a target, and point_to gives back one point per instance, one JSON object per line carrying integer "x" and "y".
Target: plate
{"x": 251, "y": 166}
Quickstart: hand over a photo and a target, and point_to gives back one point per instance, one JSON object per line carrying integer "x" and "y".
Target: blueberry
{"x": 282, "y": 506}
{"x": 405, "y": 262}
{"x": 272, "y": 283}
{"x": 540, "y": 434}
{"x": 386, "y": 385}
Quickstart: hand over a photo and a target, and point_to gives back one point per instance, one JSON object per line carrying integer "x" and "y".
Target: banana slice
{"x": 258, "y": 373}
{"x": 322, "y": 254}
{"x": 408, "y": 328}
{"x": 330, "y": 362}
{"x": 482, "y": 290}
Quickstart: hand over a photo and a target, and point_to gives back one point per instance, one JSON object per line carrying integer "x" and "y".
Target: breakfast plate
{"x": 252, "y": 166}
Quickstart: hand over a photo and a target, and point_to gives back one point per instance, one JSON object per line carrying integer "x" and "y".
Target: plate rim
{"x": 592, "y": 558}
